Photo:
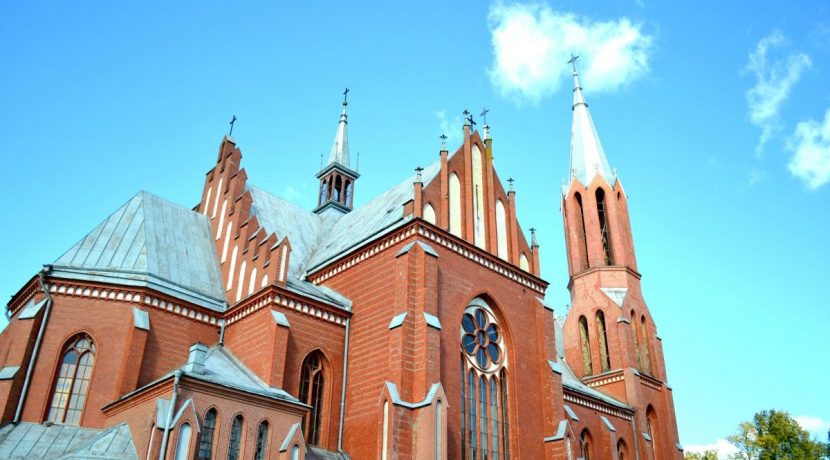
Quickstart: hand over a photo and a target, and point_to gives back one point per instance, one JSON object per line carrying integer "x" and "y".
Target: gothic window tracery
{"x": 72, "y": 381}
{"x": 206, "y": 436}
{"x": 585, "y": 347}
{"x": 582, "y": 236}
{"x": 484, "y": 425}
{"x": 311, "y": 393}
{"x": 605, "y": 232}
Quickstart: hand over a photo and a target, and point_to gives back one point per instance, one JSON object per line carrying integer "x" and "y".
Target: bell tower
{"x": 337, "y": 179}
{"x": 611, "y": 340}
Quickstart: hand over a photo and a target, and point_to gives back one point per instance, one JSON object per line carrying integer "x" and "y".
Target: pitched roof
{"x": 587, "y": 155}
{"x": 33, "y": 440}
{"x": 151, "y": 242}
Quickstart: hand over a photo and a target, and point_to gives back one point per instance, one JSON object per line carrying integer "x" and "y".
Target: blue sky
{"x": 714, "y": 114}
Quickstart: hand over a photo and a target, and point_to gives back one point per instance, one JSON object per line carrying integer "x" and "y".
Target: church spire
{"x": 340, "y": 150}
{"x": 337, "y": 177}
{"x": 587, "y": 156}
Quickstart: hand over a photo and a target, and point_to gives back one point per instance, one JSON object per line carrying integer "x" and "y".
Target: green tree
{"x": 707, "y": 455}
{"x": 774, "y": 435}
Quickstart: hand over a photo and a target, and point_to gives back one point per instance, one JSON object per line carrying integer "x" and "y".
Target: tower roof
{"x": 587, "y": 156}
{"x": 340, "y": 150}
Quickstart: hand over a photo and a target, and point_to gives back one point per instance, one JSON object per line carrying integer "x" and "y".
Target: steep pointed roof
{"x": 340, "y": 149}
{"x": 587, "y": 156}
{"x": 150, "y": 242}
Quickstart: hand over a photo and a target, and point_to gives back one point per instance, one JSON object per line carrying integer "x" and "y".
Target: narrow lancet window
{"x": 645, "y": 357}
{"x": 585, "y": 345}
{"x": 602, "y": 338}
{"x": 72, "y": 382}
{"x": 311, "y": 393}
{"x": 206, "y": 437}
{"x": 455, "y": 205}
{"x": 582, "y": 244}
{"x": 605, "y": 232}
{"x": 236, "y": 438}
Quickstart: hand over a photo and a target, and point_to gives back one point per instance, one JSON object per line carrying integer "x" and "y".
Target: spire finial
{"x": 533, "y": 241}
{"x": 572, "y": 61}
{"x": 233, "y": 120}
{"x": 484, "y": 112}
{"x": 340, "y": 149}
{"x": 467, "y": 117}
{"x": 510, "y": 184}
{"x": 346, "y": 96}
{"x": 443, "y": 138}
{"x": 418, "y": 172}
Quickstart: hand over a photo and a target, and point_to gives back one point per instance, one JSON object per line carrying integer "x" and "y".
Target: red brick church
{"x": 412, "y": 326}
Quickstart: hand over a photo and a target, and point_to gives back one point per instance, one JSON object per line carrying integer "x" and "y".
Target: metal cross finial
{"x": 233, "y": 120}
{"x": 418, "y": 172}
{"x": 572, "y": 61}
{"x": 443, "y": 138}
{"x": 345, "y": 95}
{"x": 468, "y": 117}
{"x": 484, "y": 111}
{"x": 510, "y": 181}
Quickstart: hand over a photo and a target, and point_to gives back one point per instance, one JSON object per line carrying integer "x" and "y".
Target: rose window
{"x": 481, "y": 339}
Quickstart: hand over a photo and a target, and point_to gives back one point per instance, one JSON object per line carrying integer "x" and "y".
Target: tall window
{"x": 501, "y": 230}
{"x": 429, "y": 213}
{"x": 455, "y": 205}
{"x": 585, "y": 346}
{"x": 605, "y": 360}
{"x": 582, "y": 245}
{"x": 236, "y": 438}
{"x": 72, "y": 382}
{"x": 602, "y": 213}
{"x": 622, "y": 452}
{"x": 636, "y": 330}
{"x": 261, "y": 441}
{"x": 652, "y": 427}
{"x": 586, "y": 445}
{"x": 479, "y": 224}
{"x": 484, "y": 426}
{"x": 183, "y": 444}
{"x": 311, "y": 393}
{"x": 645, "y": 357}
{"x": 338, "y": 189}
{"x": 206, "y": 437}
{"x": 348, "y": 198}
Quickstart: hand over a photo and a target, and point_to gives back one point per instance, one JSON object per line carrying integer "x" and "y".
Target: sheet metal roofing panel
{"x": 151, "y": 242}
{"x": 32, "y": 440}
{"x": 587, "y": 155}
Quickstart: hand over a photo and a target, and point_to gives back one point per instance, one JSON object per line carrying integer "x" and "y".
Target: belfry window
{"x": 645, "y": 357}
{"x": 348, "y": 199}
{"x": 338, "y": 188}
{"x": 582, "y": 245}
{"x": 585, "y": 347}
{"x": 72, "y": 381}
{"x": 311, "y": 393}
{"x": 602, "y": 338}
{"x": 484, "y": 421}
{"x": 605, "y": 233}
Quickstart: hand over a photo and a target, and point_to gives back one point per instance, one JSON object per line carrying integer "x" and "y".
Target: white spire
{"x": 340, "y": 150}
{"x": 587, "y": 156}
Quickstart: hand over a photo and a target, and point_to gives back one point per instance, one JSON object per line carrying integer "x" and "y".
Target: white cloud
{"x": 721, "y": 446}
{"x": 810, "y": 144}
{"x": 532, "y": 44}
{"x": 451, "y": 127}
{"x": 775, "y": 79}
{"x": 755, "y": 176}
{"x": 816, "y": 426}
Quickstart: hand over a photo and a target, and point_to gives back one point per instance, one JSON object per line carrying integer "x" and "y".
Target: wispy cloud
{"x": 755, "y": 176}
{"x": 810, "y": 144}
{"x": 451, "y": 126}
{"x": 721, "y": 446}
{"x": 532, "y": 43}
{"x": 816, "y": 426}
{"x": 774, "y": 79}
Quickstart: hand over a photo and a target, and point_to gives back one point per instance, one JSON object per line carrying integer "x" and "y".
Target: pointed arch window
{"x": 622, "y": 451}
{"x": 236, "y": 438}
{"x": 338, "y": 189}
{"x": 636, "y": 334}
{"x": 652, "y": 426}
{"x": 311, "y": 393}
{"x": 455, "y": 205}
{"x": 645, "y": 357}
{"x": 261, "y": 441}
{"x": 72, "y": 381}
{"x": 206, "y": 436}
{"x": 501, "y": 230}
{"x": 605, "y": 232}
{"x": 484, "y": 426}
{"x": 586, "y": 445}
{"x": 582, "y": 246}
{"x": 429, "y": 213}
{"x": 585, "y": 347}
{"x": 602, "y": 338}
{"x": 183, "y": 444}
{"x": 324, "y": 192}
{"x": 348, "y": 199}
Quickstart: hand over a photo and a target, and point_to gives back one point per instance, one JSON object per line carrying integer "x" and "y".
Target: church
{"x": 413, "y": 326}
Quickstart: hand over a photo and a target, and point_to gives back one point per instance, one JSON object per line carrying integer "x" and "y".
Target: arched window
{"x": 479, "y": 224}
{"x": 484, "y": 426}
{"x": 295, "y": 452}
{"x": 72, "y": 381}
{"x": 622, "y": 451}
{"x": 338, "y": 184}
{"x": 429, "y": 213}
{"x": 183, "y": 444}
{"x": 384, "y": 443}
{"x": 586, "y": 445}
{"x": 236, "y": 438}
{"x": 582, "y": 245}
{"x": 324, "y": 191}
{"x": 455, "y": 205}
{"x": 523, "y": 263}
{"x": 206, "y": 437}
{"x": 605, "y": 232}
{"x": 261, "y": 441}
{"x": 501, "y": 230}
{"x": 636, "y": 333}
{"x": 568, "y": 448}
{"x": 645, "y": 358}
{"x": 585, "y": 346}
{"x": 653, "y": 431}
{"x": 438, "y": 430}
{"x": 602, "y": 338}
{"x": 311, "y": 393}
{"x": 348, "y": 199}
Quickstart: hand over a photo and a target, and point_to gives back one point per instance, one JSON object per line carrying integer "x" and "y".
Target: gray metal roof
{"x": 587, "y": 155}
{"x": 340, "y": 149}
{"x": 150, "y": 242}
{"x": 32, "y": 440}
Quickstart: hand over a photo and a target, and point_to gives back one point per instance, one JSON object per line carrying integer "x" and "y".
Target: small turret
{"x": 336, "y": 177}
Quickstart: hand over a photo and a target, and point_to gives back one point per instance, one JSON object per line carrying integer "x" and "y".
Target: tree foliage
{"x": 774, "y": 435}
{"x": 707, "y": 455}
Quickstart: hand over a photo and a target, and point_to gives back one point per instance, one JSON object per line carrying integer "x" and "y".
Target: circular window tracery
{"x": 481, "y": 339}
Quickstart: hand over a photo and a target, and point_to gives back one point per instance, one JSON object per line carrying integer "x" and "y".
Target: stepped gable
{"x": 149, "y": 242}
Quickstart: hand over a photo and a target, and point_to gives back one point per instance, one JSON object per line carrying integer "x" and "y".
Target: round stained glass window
{"x": 481, "y": 339}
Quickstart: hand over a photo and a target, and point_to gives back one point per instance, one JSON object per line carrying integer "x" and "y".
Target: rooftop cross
{"x": 443, "y": 138}
{"x": 468, "y": 117}
{"x": 345, "y": 96}
{"x": 484, "y": 111}
{"x": 572, "y": 61}
{"x": 233, "y": 120}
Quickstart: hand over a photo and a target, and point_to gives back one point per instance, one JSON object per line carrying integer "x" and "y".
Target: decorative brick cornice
{"x": 650, "y": 382}
{"x": 450, "y": 242}
{"x": 589, "y": 403}
{"x": 20, "y": 299}
{"x": 284, "y": 300}
{"x": 605, "y": 379}
{"x": 133, "y": 296}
